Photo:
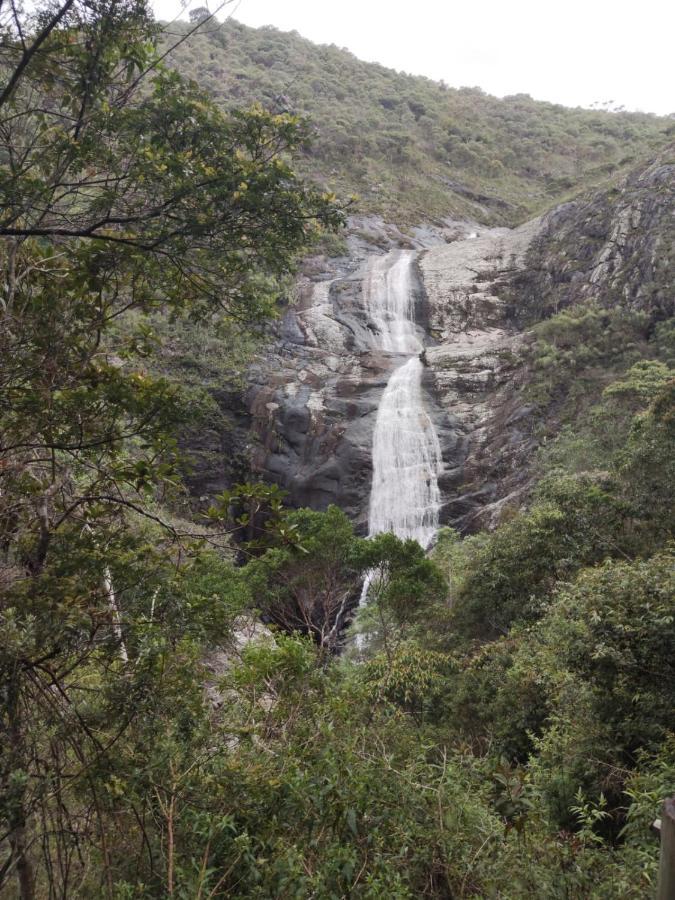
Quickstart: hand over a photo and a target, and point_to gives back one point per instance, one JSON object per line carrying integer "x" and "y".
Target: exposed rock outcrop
{"x": 476, "y": 367}
{"x": 314, "y": 399}
{"x": 615, "y": 246}
{"x": 313, "y": 394}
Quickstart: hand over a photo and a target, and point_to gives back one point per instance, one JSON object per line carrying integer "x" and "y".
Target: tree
{"x": 310, "y": 581}
{"x": 647, "y": 466}
{"x": 405, "y": 591}
{"x": 603, "y": 652}
{"x": 123, "y": 191}
{"x": 309, "y": 584}
{"x": 199, "y": 13}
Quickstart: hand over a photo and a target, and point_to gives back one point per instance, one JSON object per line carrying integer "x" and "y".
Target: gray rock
{"x": 310, "y": 407}
{"x": 314, "y": 404}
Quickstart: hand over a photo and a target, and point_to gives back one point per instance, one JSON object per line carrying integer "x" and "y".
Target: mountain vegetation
{"x": 503, "y": 725}
{"x": 414, "y": 149}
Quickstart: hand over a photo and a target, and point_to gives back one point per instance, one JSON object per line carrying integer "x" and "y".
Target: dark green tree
{"x": 309, "y": 581}
{"x": 123, "y": 192}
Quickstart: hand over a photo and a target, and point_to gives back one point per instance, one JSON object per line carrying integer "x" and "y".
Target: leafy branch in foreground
{"x": 122, "y": 189}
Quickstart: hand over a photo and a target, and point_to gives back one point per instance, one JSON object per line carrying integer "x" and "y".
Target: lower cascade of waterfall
{"x": 405, "y": 497}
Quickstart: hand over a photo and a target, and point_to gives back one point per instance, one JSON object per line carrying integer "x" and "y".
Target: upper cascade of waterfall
{"x": 389, "y": 302}
{"x": 405, "y": 498}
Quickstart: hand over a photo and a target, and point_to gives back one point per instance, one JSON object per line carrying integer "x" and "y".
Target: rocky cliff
{"x": 314, "y": 392}
{"x": 313, "y": 399}
{"x": 613, "y": 247}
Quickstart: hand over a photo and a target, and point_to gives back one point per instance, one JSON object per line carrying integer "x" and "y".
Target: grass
{"x": 413, "y": 149}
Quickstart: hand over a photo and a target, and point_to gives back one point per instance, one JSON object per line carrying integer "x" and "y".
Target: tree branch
{"x": 30, "y": 52}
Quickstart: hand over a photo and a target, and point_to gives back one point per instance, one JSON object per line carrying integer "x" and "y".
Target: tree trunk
{"x": 666, "y": 889}
{"x": 24, "y": 870}
{"x": 17, "y": 819}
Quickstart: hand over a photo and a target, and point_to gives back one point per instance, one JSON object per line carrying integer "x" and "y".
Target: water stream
{"x": 404, "y": 497}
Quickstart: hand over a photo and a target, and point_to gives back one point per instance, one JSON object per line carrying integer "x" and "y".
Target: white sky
{"x": 575, "y": 52}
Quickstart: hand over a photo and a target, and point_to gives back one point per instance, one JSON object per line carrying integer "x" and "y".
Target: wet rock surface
{"x": 313, "y": 393}
{"x": 314, "y": 398}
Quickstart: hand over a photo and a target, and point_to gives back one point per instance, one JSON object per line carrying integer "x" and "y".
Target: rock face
{"x": 218, "y": 451}
{"x": 476, "y": 368}
{"x": 314, "y": 393}
{"x": 314, "y": 399}
{"x": 616, "y": 246}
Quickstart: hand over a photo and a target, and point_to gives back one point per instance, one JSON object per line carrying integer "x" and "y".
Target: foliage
{"x": 612, "y": 695}
{"x": 575, "y": 521}
{"x": 647, "y": 465}
{"x": 577, "y": 352}
{"x": 579, "y": 686}
{"x": 308, "y": 584}
{"x": 311, "y": 577}
{"x": 503, "y": 728}
{"x": 403, "y": 590}
{"x": 125, "y": 193}
{"x": 410, "y": 148}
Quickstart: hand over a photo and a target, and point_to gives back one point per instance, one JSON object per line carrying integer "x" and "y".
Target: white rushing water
{"x": 389, "y": 303}
{"x": 404, "y": 497}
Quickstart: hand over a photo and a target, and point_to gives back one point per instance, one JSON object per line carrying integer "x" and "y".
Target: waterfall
{"x": 404, "y": 497}
{"x": 388, "y": 301}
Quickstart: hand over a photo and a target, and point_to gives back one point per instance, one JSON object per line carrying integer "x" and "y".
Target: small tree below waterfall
{"x": 405, "y": 591}
{"x": 312, "y": 585}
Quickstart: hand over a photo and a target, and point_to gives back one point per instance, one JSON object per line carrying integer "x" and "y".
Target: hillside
{"x": 413, "y": 149}
{"x": 336, "y": 569}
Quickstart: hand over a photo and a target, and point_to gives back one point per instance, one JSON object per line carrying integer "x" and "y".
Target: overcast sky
{"x": 575, "y": 52}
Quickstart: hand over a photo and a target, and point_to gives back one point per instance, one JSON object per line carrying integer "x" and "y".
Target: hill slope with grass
{"x": 413, "y": 149}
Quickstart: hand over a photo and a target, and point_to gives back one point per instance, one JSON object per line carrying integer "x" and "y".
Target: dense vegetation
{"x": 124, "y": 193}
{"x": 411, "y": 148}
{"x": 504, "y": 725}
